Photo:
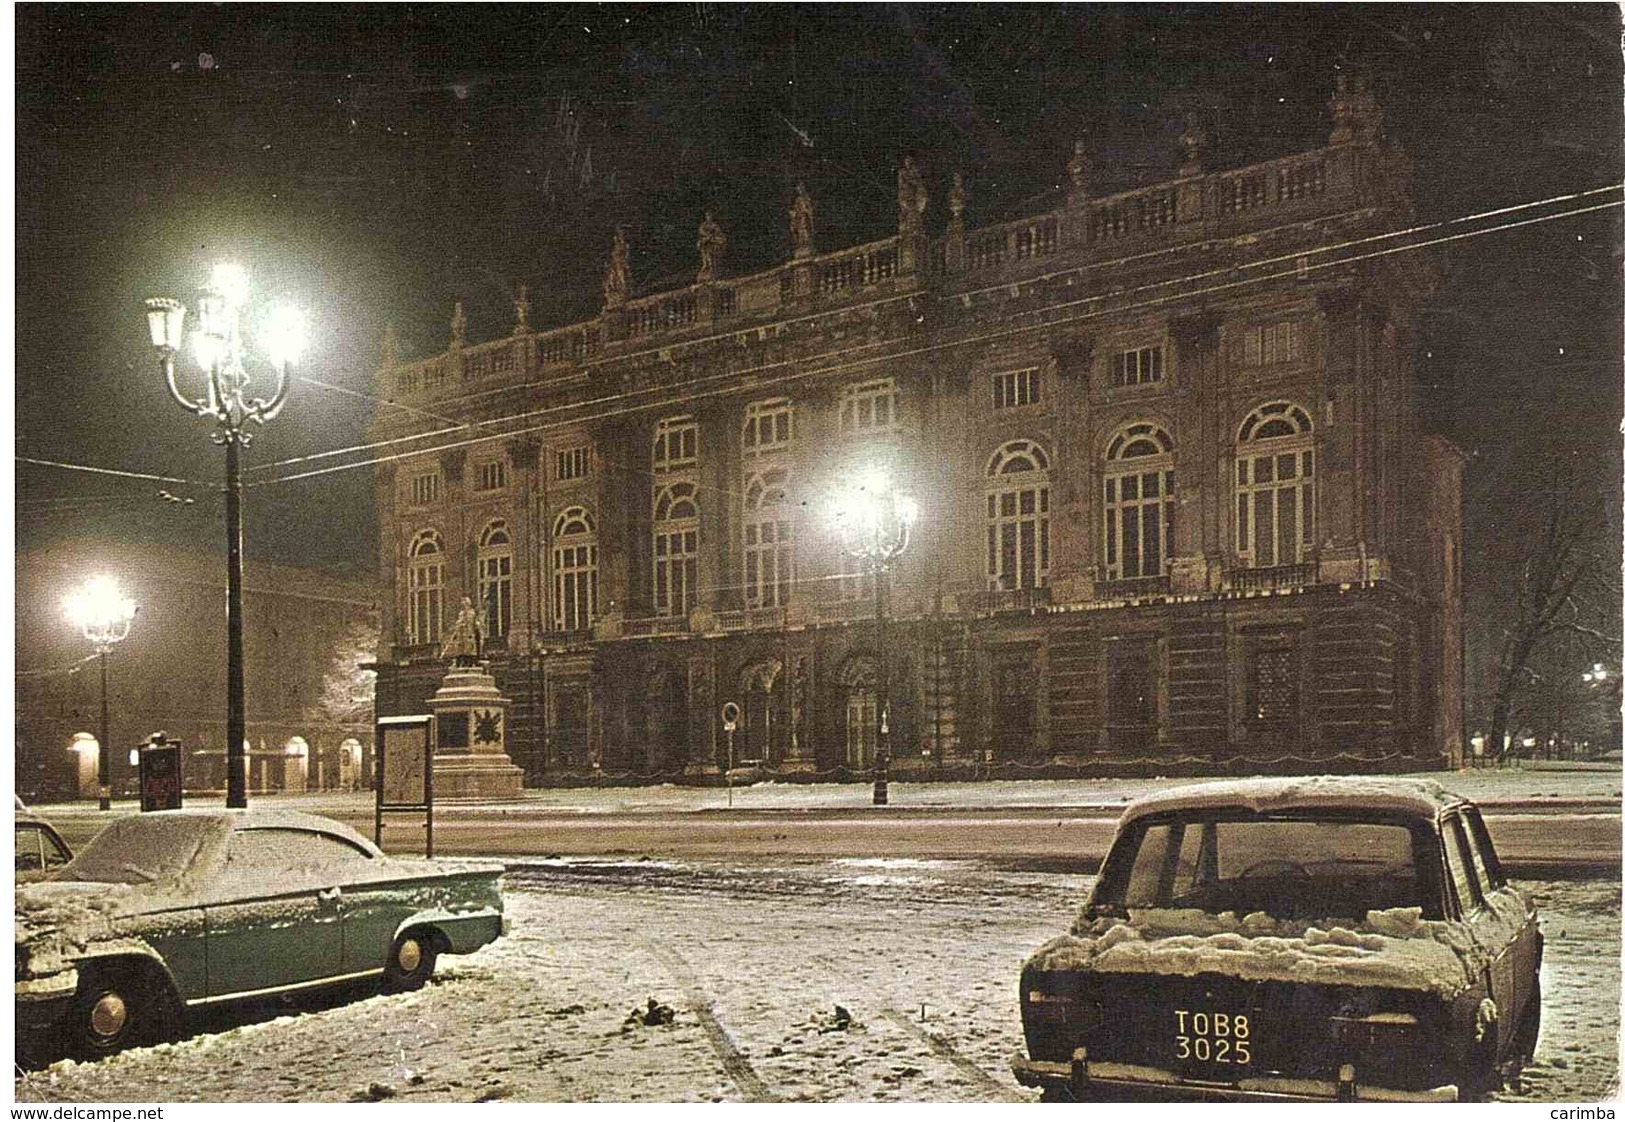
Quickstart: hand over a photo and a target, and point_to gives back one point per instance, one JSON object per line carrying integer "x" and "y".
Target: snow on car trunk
{"x": 1395, "y": 948}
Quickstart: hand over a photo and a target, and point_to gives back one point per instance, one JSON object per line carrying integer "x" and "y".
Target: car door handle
{"x": 330, "y": 895}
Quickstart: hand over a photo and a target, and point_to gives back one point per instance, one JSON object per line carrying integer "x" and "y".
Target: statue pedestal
{"x": 471, "y": 728}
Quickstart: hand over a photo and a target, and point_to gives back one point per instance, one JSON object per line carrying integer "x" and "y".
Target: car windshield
{"x": 1289, "y": 868}
{"x": 143, "y": 849}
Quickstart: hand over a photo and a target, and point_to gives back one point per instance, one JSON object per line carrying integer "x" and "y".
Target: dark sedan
{"x": 1308, "y": 939}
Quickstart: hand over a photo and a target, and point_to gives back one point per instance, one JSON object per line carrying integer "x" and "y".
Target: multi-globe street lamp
{"x": 104, "y": 615}
{"x": 874, "y": 520}
{"x": 220, "y": 352}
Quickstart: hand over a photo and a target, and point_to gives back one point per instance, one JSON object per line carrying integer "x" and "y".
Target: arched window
{"x": 1138, "y": 532}
{"x": 1018, "y": 517}
{"x": 769, "y": 555}
{"x": 575, "y": 570}
{"x": 1275, "y": 486}
{"x": 676, "y": 549}
{"x": 426, "y": 578}
{"x": 495, "y": 567}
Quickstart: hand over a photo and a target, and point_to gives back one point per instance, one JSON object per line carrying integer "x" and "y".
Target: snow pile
{"x": 1395, "y": 949}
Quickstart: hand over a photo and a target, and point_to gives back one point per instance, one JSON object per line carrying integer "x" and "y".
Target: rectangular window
{"x": 1275, "y": 509}
{"x": 1137, "y": 367}
{"x": 496, "y": 593}
{"x": 426, "y": 488}
{"x": 423, "y": 602}
{"x": 575, "y": 586}
{"x": 492, "y": 476}
{"x": 676, "y": 443}
{"x": 1015, "y": 387}
{"x": 768, "y": 563}
{"x": 676, "y": 572}
{"x": 572, "y": 463}
{"x": 768, "y": 426}
{"x": 1274, "y": 343}
{"x": 871, "y": 407}
{"x": 1271, "y": 703}
{"x": 1018, "y": 539}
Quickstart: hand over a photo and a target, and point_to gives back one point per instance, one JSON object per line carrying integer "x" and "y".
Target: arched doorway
{"x": 861, "y": 716}
{"x": 762, "y": 730}
{"x": 88, "y": 752}
{"x": 350, "y": 765}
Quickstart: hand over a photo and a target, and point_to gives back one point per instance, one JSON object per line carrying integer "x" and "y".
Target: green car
{"x": 169, "y": 911}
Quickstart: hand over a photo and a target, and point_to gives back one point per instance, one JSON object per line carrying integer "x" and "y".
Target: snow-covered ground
{"x": 753, "y": 960}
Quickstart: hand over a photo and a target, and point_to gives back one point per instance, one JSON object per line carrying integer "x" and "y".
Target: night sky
{"x": 379, "y": 163}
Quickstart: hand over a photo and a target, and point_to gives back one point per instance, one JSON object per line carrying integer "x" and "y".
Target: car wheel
{"x": 116, "y": 1007}
{"x": 411, "y": 961}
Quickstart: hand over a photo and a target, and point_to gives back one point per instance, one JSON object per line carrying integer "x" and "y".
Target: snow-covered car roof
{"x": 1306, "y": 792}
{"x": 265, "y": 819}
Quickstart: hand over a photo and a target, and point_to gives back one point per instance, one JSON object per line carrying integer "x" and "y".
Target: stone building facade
{"x": 306, "y": 637}
{"x": 1177, "y": 510}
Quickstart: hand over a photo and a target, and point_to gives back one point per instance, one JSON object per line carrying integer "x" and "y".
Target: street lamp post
{"x": 104, "y": 615}
{"x": 220, "y": 352}
{"x": 875, "y": 521}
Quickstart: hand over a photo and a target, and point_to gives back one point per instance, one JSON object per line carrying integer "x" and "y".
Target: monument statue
{"x": 462, "y": 642}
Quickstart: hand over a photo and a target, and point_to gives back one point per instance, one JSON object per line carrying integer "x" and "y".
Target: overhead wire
{"x": 617, "y": 405}
{"x": 584, "y": 409}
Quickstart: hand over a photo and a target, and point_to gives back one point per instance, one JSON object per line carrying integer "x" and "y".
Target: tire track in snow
{"x": 733, "y": 1061}
{"x": 942, "y": 1048}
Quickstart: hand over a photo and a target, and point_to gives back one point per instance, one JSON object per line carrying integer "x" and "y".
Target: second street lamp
{"x": 221, "y": 355}
{"x": 875, "y": 520}
{"x": 104, "y": 615}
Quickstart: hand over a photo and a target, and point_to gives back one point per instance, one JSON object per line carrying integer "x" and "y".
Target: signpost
{"x": 405, "y": 772}
{"x": 159, "y": 773}
{"x": 730, "y": 721}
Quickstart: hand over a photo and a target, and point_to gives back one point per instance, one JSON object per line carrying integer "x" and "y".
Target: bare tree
{"x": 1563, "y": 585}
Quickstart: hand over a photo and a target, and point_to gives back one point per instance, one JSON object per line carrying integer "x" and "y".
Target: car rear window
{"x": 1288, "y": 868}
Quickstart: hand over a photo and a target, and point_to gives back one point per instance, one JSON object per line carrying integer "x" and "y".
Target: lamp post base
{"x": 881, "y": 782}
{"x": 104, "y": 799}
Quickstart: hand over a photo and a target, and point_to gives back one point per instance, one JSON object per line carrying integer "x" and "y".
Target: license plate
{"x": 1218, "y": 1042}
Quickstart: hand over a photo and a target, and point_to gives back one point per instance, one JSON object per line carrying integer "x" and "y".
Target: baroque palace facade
{"x": 1177, "y": 513}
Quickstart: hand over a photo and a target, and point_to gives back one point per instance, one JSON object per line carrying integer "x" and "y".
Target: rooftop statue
{"x": 801, "y": 223}
{"x": 711, "y": 243}
{"x": 521, "y": 310}
{"x": 618, "y": 273}
{"x": 911, "y": 198}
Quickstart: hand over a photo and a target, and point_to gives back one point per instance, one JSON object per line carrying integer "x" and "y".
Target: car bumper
{"x": 1085, "y": 1079}
{"x": 42, "y": 1003}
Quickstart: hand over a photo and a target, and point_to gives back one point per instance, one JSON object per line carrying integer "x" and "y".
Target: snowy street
{"x": 752, "y": 960}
